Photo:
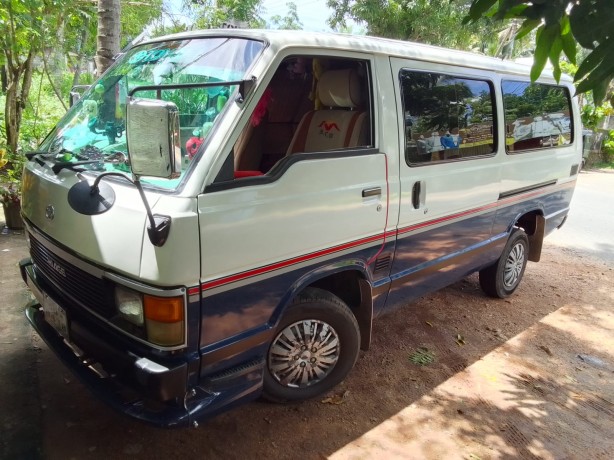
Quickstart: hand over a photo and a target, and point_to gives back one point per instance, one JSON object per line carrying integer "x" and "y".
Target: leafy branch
{"x": 559, "y": 26}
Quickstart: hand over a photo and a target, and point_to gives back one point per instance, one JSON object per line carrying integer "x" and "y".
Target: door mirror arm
{"x": 159, "y": 225}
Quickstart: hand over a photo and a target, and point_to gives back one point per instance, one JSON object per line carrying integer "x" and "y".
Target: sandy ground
{"x": 526, "y": 377}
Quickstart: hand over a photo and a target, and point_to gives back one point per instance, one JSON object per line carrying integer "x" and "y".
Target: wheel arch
{"x": 348, "y": 280}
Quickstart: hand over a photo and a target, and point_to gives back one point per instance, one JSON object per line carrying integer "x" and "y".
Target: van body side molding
{"x": 518, "y": 191}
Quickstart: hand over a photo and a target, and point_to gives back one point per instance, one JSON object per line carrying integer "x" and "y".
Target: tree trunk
{"x": 3, "y": 78}
{"x": 108, "y": 34}
{"x": 19, "y": 80}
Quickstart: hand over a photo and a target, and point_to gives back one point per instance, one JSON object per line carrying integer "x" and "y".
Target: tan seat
{"x": 340, "y": 124}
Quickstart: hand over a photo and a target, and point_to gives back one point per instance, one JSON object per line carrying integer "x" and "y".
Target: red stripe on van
{"x": 428, "y": 223}
{"x": 314, "y": 255}
{"x": 287, "y": 263}
{"x": 499, "y": 203}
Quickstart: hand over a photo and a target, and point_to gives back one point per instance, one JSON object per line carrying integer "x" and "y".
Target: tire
{"x": 294, "y": 372}
{"x": 503, "y": 277}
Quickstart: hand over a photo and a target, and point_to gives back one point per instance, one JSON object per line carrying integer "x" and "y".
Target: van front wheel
{"x": 503, "y": 277}
{"x": 314, "y": 347}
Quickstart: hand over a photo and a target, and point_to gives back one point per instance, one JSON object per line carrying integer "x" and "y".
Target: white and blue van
{"x": 223, "y": 214}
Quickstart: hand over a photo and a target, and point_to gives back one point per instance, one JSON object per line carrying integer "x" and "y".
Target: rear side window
{"x": 537, "y": 116}
{"x": 446, "y": 117}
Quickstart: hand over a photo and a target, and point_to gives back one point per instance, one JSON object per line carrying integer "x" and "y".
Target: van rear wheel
{"x": 503, "y": 277}
{"x": 314, "y": 348}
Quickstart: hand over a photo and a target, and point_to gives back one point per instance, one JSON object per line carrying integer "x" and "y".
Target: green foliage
{"x": 11, "y": 167}
{"x": 42, "y": 110}
{"x": 560, "y": 24}
{"x": 214, "y": 13}
{"x": 290, "y": 21}
{"x": 22, "y": 26}
{"x": 536, "y": 100}
{"x": 436, "y": 22}
{"x": 19, "y": 27}
{"x": 82, "y": 20}
{"x": 608, "y": 148}
{"x": 593, "y": 116}
{"x": 52, "y": 30}
{"x": 190, "y": 101}
{"x": 135, "y": 16}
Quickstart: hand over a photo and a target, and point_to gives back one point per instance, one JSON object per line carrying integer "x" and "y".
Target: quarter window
{"x": 446, "y": 117}
{"x": 537, "y": 116}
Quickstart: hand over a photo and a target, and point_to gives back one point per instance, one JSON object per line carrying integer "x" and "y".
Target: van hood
{"x": 113, "y": 239}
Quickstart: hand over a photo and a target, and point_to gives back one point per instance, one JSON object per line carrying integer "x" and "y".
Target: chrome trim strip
{"x": 144, "y": 288}
{"x": 529, "y": 188}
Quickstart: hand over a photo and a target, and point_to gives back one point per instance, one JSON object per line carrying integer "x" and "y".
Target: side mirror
{"x": 152, "y": 131}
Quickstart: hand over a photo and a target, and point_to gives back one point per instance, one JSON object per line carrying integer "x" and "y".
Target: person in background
{"x": 448, "y": 141}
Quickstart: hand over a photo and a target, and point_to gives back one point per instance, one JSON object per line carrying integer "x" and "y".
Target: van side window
{"x": 446, "y": 117}
{"x": 537, "y": 116}
{"x": 313, "y": 104}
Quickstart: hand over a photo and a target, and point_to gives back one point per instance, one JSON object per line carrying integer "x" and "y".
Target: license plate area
{"x": 54, "y": 314}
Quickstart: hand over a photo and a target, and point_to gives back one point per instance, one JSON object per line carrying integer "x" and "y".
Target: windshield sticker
{"x": 148, "y": 56}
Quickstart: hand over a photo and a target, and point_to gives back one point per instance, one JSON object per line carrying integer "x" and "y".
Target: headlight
{"x": 129, "y": 305}
{"x": 159, "y": 320}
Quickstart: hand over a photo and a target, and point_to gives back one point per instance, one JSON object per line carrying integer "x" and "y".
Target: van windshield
{"x": 95, "y": 127}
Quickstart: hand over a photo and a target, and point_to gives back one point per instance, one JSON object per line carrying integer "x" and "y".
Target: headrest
{"x": 340, "y": 88}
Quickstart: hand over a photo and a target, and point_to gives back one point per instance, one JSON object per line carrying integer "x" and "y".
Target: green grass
{"x": 604, "y": 165}
{"x": 422, "y": 357}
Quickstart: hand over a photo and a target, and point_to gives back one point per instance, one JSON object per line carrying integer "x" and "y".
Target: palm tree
{"x": 107, "y": 44}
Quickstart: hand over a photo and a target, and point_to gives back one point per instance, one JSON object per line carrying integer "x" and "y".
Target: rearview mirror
{"x": 152, "y": 131}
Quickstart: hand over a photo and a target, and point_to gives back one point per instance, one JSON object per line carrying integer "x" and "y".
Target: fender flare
{"x": 363, "y": 314}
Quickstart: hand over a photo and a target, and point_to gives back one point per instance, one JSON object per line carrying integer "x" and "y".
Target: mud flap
{"x": 536, "y": 240}
{"x": 364, "y": 315}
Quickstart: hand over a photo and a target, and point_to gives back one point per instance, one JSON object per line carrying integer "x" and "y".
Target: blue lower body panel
{"x": 154, "y": 392}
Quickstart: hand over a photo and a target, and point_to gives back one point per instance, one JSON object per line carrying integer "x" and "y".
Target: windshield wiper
{"x": 57, "y": 167}
{"x": 34, "y": 153}
{"x": 47, "y": 159}
{"x": 38, "y": 156}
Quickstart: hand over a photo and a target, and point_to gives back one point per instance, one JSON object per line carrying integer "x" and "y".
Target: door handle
{"x": 418, "y": 193}
{"x": 375, "y": 191}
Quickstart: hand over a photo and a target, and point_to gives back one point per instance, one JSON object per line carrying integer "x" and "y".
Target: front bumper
{"x": 135, "y": 385}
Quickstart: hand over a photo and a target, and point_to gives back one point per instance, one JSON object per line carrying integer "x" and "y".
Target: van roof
{"x": 280, "y": 39}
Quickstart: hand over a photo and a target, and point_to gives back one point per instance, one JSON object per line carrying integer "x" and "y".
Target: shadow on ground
{"x": 20, "y": 414}
{"x": 490, "y": 392}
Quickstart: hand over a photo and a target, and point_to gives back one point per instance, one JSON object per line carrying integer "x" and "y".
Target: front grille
{"x": 81, "y": 287}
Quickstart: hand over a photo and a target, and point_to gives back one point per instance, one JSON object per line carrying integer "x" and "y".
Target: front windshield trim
{"x": 204, "y": 34}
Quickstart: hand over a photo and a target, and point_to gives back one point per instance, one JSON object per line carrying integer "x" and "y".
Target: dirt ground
{"x": 527, "y": 377}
